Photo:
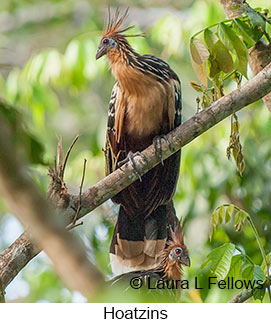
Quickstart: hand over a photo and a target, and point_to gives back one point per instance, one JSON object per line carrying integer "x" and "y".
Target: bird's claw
{"x": 157, "y": 143}
{"x": 130, "y": 158}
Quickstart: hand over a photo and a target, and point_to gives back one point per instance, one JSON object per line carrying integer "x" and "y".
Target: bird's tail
{"x": 138, "y": 241}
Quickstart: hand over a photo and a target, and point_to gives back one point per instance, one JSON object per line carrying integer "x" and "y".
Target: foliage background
{"x": 48, "y": 70}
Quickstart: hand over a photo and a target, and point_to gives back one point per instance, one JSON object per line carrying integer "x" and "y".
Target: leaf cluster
{"x": 220, "y": 52}
{"x": 224, "y": 262}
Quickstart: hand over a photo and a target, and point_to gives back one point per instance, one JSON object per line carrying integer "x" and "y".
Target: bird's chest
{"x": 145, "y": 106}
{"x": 145, "y": 114}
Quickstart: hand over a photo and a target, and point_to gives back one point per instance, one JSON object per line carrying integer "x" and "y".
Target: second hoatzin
{"x": 145, "y": 105}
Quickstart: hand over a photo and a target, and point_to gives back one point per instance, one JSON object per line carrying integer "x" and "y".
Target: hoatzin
{"x": 145, "y": 105}
{"x": 172, "y": 259}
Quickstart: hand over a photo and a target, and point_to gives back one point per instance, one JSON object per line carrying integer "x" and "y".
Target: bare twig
{"x": 80, "y": 194}
{"x": 59, "y": 158}
{"x": 74, "y": 225}
{"x": 68, "y": 154}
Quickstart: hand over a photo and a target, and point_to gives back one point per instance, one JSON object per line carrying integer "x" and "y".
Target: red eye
{"x": 178, "y": 251}
{"x": 106, "y": 41}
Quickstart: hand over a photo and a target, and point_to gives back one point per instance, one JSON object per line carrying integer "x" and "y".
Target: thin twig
{"x": 80, "y": 193}
{"x": 72, "y": 226}
{"x": 59, "y": 155}
{"x": 67, "y": 155}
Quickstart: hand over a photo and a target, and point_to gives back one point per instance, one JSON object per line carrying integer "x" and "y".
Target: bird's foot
{"x": 157, "y": 143}
{"x": 131, "y": 158}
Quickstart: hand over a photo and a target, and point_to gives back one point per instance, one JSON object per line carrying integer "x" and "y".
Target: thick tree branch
{"x": 260, "y": 54}
{"x": 252, "y": 91}
{"x": 16, "y": 257}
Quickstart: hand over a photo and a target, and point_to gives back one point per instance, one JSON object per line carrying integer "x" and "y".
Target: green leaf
{"x": 248, "y": 272}
{"x": 212, "y": 67}
{"x": 254, "y": 273}
{"x": 246, "y": 32}
{"x": 221, "y": 260}
{"x": 210, "y": 39}
{"x": 205, "y": 264}
{"x": 224, "y": 37}
{"x": 233, "y": 42}
{"x": 221, "y": 214}
{"x": 258, "y": 293}
{"x": 235, "y": 267}
{"x": 215, "y": 217}
{"x": 223, "y": 57}
{"x": 255, "y": 18}
{"x": 219, "y": 59}
{"x": 239, "y": 219}
{"x": 259, "y": 274}
{"x": 229, "y": 213}
{"x": 214, "y": 220}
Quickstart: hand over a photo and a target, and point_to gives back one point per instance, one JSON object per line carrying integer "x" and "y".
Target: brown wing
{"x": 112, "y": 145}
{"x": 158, "y": 185}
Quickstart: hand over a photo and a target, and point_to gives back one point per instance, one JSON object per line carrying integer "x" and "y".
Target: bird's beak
{"x": 186, "y": 261}
{"x": 101, "y": 51}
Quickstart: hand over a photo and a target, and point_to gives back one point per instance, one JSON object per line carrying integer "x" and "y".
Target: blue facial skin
{"x": 105, "y": 44}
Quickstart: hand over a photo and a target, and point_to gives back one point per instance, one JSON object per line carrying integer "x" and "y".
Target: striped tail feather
{"x": 138, "y": 241}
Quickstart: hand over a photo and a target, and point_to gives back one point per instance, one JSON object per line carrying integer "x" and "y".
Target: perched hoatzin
{"x": 172, "y": 258}
{"x": 145, "y": 105}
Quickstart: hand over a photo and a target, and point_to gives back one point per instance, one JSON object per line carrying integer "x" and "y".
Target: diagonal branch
{"x": 106, "y": 188}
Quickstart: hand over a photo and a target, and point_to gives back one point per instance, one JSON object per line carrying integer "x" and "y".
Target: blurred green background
{"x": 48, "y": 70}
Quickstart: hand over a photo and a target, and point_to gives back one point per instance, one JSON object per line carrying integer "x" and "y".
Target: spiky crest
{"x": 176, "y": 235}
{"x": 114, "y": 26}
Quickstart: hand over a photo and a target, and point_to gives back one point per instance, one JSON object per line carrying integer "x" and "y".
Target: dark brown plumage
{"x": 145, "y": 103}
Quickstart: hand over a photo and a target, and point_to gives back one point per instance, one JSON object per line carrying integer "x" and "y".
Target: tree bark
{"x": 16, "y": 257}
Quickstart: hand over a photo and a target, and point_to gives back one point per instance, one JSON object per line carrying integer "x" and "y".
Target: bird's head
{"x": 114, "y": 37}
{"x": 179, "y": 255}
{"x": 175, "y": 254}
{"x": 106, "y": 44}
